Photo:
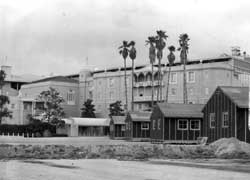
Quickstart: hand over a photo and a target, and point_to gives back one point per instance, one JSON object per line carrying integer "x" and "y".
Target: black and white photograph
{"x": 124, "y": 89}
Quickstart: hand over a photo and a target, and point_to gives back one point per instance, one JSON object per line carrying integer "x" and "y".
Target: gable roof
{"x": 56, "y": 79}
{"x": 181, "y": 110}
{"x": 239, "y": 95}
{"x": 140, "y": 116}
{"x": 118, "y": 119}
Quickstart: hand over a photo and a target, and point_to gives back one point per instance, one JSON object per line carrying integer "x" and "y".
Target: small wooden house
{"x": 226, "y": 114}
{"x": 137, "y": 126}
{"x": 176, "y": 123}
{"x": 117, "y": 127}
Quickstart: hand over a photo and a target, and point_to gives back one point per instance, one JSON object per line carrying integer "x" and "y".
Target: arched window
{"x": 141, "y": 77}
{"x": 149, "y": 76}
{"x": 135, "y": 78}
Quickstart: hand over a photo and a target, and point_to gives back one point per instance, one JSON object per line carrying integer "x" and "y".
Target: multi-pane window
{"x": 182, "y": 124}
{"x": 173, "y": 78}
{"x": 173, "y": 91}
{"x": 71, "y": 97}
{"x": 212, "y": 120}
{"x": 145, "y": 126}
{"x": 191, "y": 76}
{"x": 195, "y": 125}
{"x": 225, "y": 120}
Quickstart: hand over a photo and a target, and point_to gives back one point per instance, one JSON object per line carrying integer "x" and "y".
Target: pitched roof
{"x": 181, "y": 110}
{"x": 56, "y": 79}
{"x": 140, "y": 116}
{"x": 118, "y": 119}
{"x": 239, "y": 95}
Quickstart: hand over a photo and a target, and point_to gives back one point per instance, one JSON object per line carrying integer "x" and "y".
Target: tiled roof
{"x": 118, "y": 119}
{"x": 181, "y": 110}
{"x": 56, "y": 79}
{"x": 239, "y": 95}
{"x": 140, "y": 116}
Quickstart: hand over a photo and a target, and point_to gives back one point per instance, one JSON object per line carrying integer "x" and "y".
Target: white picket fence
{"x": 22, "y": 135}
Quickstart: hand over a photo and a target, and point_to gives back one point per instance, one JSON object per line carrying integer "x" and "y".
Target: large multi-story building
{"x": 11, "y": 89}
{"x": 107, "y": 86}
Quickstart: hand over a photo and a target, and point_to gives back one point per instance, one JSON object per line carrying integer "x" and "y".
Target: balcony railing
{"x": 142, "y": 98}
{"x": 147, "y": 83}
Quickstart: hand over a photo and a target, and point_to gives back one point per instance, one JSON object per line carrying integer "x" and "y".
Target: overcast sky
{"x": 44, "y": 36}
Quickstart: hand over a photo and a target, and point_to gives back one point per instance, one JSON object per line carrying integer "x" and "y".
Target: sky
{"x": 63, "y": 36}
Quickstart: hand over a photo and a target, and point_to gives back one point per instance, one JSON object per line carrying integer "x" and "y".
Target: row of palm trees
{"x": 156, "y": 46}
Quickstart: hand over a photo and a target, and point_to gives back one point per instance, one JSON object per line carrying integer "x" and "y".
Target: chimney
{"x": 7, "y": 70}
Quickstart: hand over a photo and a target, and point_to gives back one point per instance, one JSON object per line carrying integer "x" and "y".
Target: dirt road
{"x": 98, "y": 169}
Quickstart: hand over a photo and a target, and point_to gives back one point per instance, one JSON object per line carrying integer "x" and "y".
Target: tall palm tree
{"x": 183, "y": 41}
{"x": 132, "y": 55}
{"x": 171, "y": 58}
{"x": 152, "y": 55}
{"x": 123, "y": 50}
{"x": 160, "y": 45}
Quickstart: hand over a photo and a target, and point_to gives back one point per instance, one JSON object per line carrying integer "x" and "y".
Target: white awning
{"x": 87, "y": 121}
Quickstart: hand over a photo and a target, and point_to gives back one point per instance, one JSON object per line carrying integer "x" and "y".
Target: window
{"x": 123, "y": 128}
{"x": 212, "y": 120}
{"x": 191, "y": 76}
{"x": 182, "y": 124}
{"x": 225, "y": 120}
{"x": 153, "y": 124}
{"x": 206, "y": 91}
{"x": 191, "y": 91}
{"x": 111, "y": 82}
{"x": 173, "y": 78}
{"x": 206, "y": 73}
{"x": 12, "y": 106}
{"x": 145, "y": 126}
{"x": 111, "y": 95}
{"x": 195, "y": 125}
{"x": 71, "y": 97}
{"x": 159, "y": 124}
{"x": 173, "y": 91}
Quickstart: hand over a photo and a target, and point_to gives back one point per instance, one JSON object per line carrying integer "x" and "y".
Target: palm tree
{"x": 160, "y": 45}
{"x": 171, "y": 58}
{"x": 124, "y": 52}
{"x": 152, "y": 55}
{"x": 132, "y": 55}
{"x": 183, "y": 41}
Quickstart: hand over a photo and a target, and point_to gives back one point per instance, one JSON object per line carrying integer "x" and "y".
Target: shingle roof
{"x": 118, "y": 119}
{"x": 57, "y": 79}
{"x": 181, "y": 110}
{"x": 239, "y": 95}
{"x": 140, "y": 116}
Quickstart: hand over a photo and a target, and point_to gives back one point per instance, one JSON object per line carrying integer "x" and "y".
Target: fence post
{"x": 23, "y": 134}
{"x": 32, "y": 134}
{"x": 8, "y": 134}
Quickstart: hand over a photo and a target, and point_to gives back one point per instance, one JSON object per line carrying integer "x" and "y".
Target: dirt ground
{"x": 99, "y": 169}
